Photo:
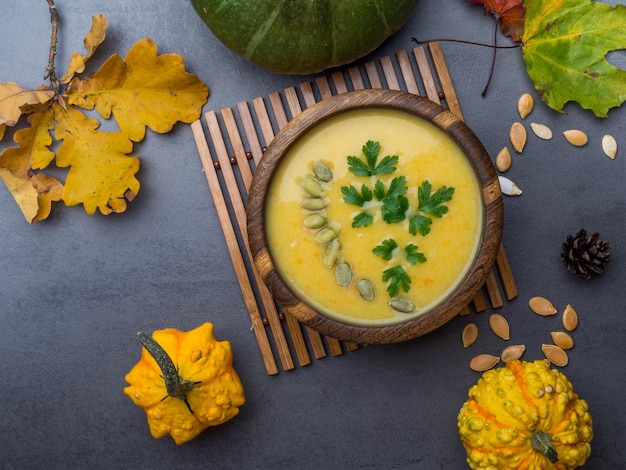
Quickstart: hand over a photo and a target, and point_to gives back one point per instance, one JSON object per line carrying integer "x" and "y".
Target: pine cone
{"x": 585, "y": 256}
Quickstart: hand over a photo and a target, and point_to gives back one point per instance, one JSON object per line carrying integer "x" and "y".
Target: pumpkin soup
{"x": 374, "y": 217}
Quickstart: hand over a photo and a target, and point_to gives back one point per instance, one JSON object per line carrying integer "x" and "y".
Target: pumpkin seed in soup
{"x": 325, "y": 236}
{"x": 401, "y": 304}
{"x": 312, "y": 186}
{"x": 331, "y": 254}
{"x": 366, "y": 289}
{"x": 314, "y": 203}
{"x": 343, "y": 274}
{"x": 322, "y": 171}
{"x": 314, "y": 221}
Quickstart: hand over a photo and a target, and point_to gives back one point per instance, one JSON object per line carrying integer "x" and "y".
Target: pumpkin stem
{"x": 542, "y": 442}
{"x": 176, "y": 386}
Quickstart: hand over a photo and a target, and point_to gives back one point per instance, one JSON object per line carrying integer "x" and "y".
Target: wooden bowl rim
{"x": 492, "y": 217}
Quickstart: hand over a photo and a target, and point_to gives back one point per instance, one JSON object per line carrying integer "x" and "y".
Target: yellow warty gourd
{"x": 185, "y": 382}
{"x": 525, "y": 416}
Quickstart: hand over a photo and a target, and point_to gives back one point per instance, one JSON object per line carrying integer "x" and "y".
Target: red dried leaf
{"x": 510, "y": 13}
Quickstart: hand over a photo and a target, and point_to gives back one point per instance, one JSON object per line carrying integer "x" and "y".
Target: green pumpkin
{"x": 303, "y": 36}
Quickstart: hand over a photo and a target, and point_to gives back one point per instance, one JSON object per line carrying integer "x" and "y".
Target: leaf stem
{"x": 493, "y": 58}
{"x": 461, "y": 41}
{"x": 50, "y": 72}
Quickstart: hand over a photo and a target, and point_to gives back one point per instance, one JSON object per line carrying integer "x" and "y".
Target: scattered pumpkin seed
{"x": 503, "y": 159}
{"x": 513, "y": 352}
{"x": 312, "y": 186}
{"x": 562, "y": 340}
{"x": 576, "y": 137}
{"x": 325, "y": 236}
{"x": 469, "y": 334}
{"x": 525, "y": 105}
{"x": 314, "y": 203}
{"x": 499, "y": 326}
{"x": 570, "y": 318}
{"x": 541, "y": 130}
{"x": 555, "y": 354}
{"x": 331, "y": 254}
{"x": 322, "y": 171}
{"x": 483, "y": 362}
{"x": 343, "y": 274}
{"x": 542, "y": 306}
{"x": 508, "y": 187}
{"x": 517, "y": 134}
{"x": 314, "y": 221}
{"x": 366, "y": 289}
{"x": 402, "y": 304}
{"x": 609, "y": 146}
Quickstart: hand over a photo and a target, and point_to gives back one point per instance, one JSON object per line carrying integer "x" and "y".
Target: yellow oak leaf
{"x": 33, "y": 192}
{"x": 94, "y": 38}
{"x": 101, "y": 173}
{"x": 13, "y": 98}
{"x": 2, "y": 129}
{"x": 144, "y": 89}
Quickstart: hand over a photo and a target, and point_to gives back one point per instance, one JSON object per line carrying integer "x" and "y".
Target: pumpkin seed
{"x": 402, "y": 304}
{"x": 499, "y": 326}
{"x": 609, "y": 146}
{"x": 570, "y": 318}
{"x": 343, "y": 274}
{"x": 314, "y": 203}
{"x": 513, "y": 352}
{"x": 503, "y": 159}
{"x": 542, "y": 306}
{"x": 483, "y": 362}
{"x": 331, "y": 254}
{"x": 555, "y": 355}
{"x": 525, "y": 105}
{"x": 322, "y": 171}
{"x": 312, "y": 186}
{"x": 576, "y": 137}
{"x": 325, "y": 236}
{"x": 366, "y": 289}
{"x": 314, "y": 221}
{"x": 517, "y": 134}
{"x": 508, "y": 187}
{"x": 469, "y": 334}
{"x": 541, "y": 130}
{"x": 562, "y": 339}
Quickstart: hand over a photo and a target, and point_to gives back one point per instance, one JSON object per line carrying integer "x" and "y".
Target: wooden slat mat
{"x": 235, "y": 143}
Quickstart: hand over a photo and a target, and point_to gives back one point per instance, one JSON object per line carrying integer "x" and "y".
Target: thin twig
{"x": 50, "y": 72}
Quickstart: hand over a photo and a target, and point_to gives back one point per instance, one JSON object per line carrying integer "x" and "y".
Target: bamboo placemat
{"x": 236, "y": 141}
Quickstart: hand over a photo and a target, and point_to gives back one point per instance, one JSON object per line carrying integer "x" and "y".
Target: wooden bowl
{"x": 489, "y": 238}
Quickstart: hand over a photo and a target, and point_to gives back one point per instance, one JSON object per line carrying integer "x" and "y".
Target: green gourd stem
{"x": 541, "y": 442}
{"x": 175, "y": 385}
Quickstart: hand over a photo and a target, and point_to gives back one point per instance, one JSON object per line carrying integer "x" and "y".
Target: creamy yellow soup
{"x": 424, "y": 153}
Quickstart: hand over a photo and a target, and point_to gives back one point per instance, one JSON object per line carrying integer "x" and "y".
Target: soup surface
{"x": 421, "y": 269}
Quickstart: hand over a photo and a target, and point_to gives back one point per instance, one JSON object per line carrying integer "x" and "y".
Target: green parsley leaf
{"x": 356, "y": 166}
{"x": 385, "y": 249}
{"x": 419, "y": 223}
{"x": 379, "y": 190}
{"x": 362, "y": 219}
{"x": 394, "y": 209}
{"x": 412, "y": 255}
{"x": 397, "y": 279}
{"x": 352, "y": 196}
{"x": 433, "y": 204}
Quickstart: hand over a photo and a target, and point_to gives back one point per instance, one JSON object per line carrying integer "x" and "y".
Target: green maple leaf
{"x": 565, "y": 43}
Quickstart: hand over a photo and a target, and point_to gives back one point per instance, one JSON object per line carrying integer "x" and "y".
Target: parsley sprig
{"x": 371, "y": 166}
{"x": 429, "y": 203}
{"x": 396, "y": 277}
